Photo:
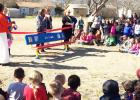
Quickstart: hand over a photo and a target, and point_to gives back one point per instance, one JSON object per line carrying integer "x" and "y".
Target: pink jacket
{"x": 113, "y": 31}
{"x": 90, "y": 37}
{"x": 135, "y": 48}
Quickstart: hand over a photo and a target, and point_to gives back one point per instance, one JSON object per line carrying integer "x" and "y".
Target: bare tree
{"x": 128, "y": 4}
{"x": 66, "y": 3}
{"x": 96, "y": 5}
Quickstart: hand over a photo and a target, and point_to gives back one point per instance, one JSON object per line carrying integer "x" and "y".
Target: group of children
{"x": 36, "y": 89}
{"x": 111, "y": 32}
{"x": 130, "y": 45}
{"x": 131, "y": 87}
{"x": 86, "y": 38}
{"x": 130, "y": 41}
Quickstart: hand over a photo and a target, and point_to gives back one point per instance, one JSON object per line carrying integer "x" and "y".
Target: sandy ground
{"x": 93, "y": 64}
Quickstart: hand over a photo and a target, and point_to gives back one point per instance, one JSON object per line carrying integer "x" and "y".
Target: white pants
{"x": 4, "y": 51}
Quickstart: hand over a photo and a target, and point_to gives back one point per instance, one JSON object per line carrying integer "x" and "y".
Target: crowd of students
{"x": 131, "y": 88}
{"x": 123, "y": 31}
{"x": 36, "y": 89}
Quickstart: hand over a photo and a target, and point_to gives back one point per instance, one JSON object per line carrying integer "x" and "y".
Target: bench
{"x": 53, "y": 38}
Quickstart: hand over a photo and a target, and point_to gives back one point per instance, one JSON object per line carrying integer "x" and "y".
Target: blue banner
{"x": 44, "y": 37}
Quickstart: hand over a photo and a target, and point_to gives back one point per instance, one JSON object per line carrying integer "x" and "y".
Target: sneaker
{"x": 70, "y": 48}
{"x": 66, "y": 50}
{"x": 37, "y": 57}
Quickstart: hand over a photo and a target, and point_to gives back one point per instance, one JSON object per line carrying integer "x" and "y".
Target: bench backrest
{"x": 44, "y": 37}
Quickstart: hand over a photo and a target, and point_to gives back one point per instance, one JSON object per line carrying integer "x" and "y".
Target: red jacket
{"x": 4, "y": 24}
{"x": 40, "y": 93}
{"x": 70, "y": 94}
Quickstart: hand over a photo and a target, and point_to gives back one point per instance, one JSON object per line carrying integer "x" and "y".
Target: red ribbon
{"x": 52, "y": 45}
{"x": 48, "y": 30}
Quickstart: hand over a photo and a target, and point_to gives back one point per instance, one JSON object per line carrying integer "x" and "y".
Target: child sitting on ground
{"x": 90, "y": 38}
{"x": 136, "y": 94}
{"x": 122, "y": 39}
{"x": 60, "y": 77}
{"x": 3, "y": 95}
{"x": 98, "y": 38}
{"x": 71, "y": 93}
{"x": 126, "y": 44}
{"x": 129, "y": 88}
{"x": 43, "y": 84}
{"x": 138, "y": 76}
{"x": 87, "y": 38}
{"x": 15, "y": 89}
{"x": 111, "y": 40}
{"x": 136, "y": 47}
{"x": 127, "y": 30}
{"x": 110, "y": 90}
{"x": 83, "y": 38}
{"x": 56, "y": 90}
{"x": 35, "y": 91}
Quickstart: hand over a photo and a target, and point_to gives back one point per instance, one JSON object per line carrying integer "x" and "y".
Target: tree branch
{"x": 100, "y": 6}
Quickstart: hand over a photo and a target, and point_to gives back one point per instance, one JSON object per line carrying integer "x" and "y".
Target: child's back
{"x": 35, "y": 91}
{"x": 71, "y": 93}
{"x": 129, "y": 88}
{"x": 39, "y": 93}
{"x": 110, "y": 90}
{"x": 15, "y": 91}
{"x": 137, "y": 92}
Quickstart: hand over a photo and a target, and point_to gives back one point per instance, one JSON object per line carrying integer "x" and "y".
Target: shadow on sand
{"x": 79, "y": 53}
{"x": 56, "y": 58}
{"x": 45, "y": 65}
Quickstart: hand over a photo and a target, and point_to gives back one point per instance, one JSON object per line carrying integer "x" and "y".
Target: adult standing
{"x": 137, "y": 29}
{"x": 89, "y": 23}
{"x": 4, "y": 24}
{"x": 134, "y": 18}
{"x": 10, "y": 28}
{"x": 41, "y": 26}
{"x": 95, "y": 25}
{"x": 49, "y": 20}
{"x": 67, "y": 22}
